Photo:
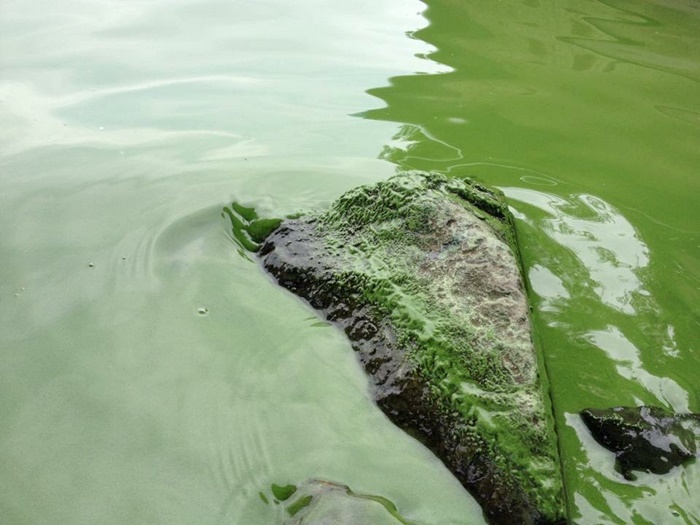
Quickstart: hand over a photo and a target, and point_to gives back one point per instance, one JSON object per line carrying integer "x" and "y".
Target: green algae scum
{"x": 324, "y": 502}
{"x": 422, "y": 274}
{"x": 152, "y": 372}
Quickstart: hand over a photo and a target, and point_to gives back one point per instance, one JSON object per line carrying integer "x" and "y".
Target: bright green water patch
{"x": 584, "y": 113}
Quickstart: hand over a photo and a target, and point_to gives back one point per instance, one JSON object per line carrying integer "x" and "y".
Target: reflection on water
{"x": 605, "y": 333}
{"x": 617, "y": 36}
{"x": 601, "y": 252}
{"x": 605, "y": 244}
{"x": 628, "y": 363}
{"x": 600, "y": 260}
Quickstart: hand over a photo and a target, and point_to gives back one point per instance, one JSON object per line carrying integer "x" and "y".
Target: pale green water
{"x": 126, "y": 127}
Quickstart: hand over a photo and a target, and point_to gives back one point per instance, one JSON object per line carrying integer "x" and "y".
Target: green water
{"x": 587, "y": 114}
{"x": 128, "y": 127}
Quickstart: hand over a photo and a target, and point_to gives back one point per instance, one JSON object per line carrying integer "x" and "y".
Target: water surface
{"x": 587, "y": 115}
{"x": 149, "y": 374}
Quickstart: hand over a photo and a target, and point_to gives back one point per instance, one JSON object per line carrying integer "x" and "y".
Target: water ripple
{"x": 607, "y": 245}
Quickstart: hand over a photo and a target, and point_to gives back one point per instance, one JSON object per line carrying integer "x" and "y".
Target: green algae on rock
{"x": 645, "y": 438}
{"x": 420, "y": 272}
{"x": 319, "y": 502}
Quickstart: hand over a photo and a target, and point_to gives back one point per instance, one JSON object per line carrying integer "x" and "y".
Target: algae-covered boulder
{"x": 421, "y": 273}
{"x": 645, "y": 438}
{"x": 320, "y": 502}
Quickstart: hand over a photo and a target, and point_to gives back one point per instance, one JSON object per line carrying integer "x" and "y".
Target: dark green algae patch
{"x": 421, "y": 272}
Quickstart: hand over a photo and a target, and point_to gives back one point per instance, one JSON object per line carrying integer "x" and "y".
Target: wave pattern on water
{"x": 605, "y": 244}
{"x": 605, "y": 333}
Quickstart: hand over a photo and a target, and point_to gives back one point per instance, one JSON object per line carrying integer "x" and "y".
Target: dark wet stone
{"x": 421, "y": 274}
{"x": 646, "y": 438}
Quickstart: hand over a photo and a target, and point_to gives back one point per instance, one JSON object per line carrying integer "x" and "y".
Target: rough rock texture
{"x": 645, "y": 438}
{"x": 319, "y": 502}
{"x": 420, "y": 273}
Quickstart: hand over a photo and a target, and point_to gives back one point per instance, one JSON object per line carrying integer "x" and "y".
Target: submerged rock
{"x": 319, "y": 502}
{"x": 646, "y": 438}
{"x": 420, "y": 272}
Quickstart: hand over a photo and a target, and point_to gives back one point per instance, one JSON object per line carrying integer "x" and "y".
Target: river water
{"x": 149, "y": 373}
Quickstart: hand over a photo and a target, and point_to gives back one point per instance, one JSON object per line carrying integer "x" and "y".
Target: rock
{"x": 645, "y": 438}
{"x": 420, "y": 272}
{"x": 319, "y": 502}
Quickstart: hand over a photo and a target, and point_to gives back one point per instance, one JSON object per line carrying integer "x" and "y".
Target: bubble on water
{"x": 202, "y": 310}
{"x": 91, "y": 265}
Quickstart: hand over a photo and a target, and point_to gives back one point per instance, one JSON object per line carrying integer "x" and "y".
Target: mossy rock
{"x": 422, "y": 274}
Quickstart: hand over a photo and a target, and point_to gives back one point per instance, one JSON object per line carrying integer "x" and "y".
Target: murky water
{"x": 149, "y": 374}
